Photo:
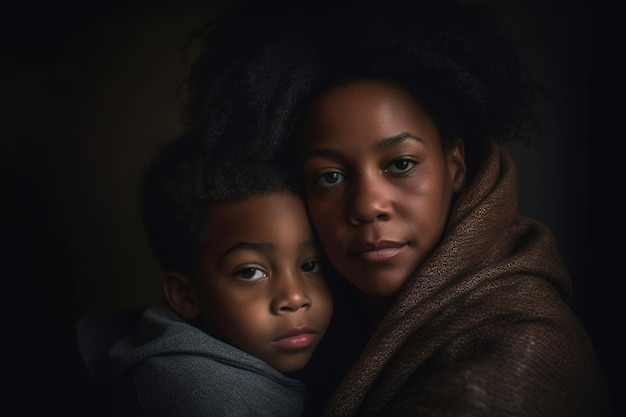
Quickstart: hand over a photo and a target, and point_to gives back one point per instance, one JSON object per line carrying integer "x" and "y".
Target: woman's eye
{"x": 312, "y": 266}
{"x": 250, "y": 274}
{"x": 329, "y": 179}
{"x": 401, "y": 165}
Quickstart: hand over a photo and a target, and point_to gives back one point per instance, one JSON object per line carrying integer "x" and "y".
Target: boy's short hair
{"x": 183, "y": 183}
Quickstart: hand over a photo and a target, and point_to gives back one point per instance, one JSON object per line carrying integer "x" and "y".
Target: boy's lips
{"x": 378, "y": 251}
{"x": 296, "y": 339}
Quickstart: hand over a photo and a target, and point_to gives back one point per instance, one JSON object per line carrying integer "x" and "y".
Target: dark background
{"x": 90, "y": 90}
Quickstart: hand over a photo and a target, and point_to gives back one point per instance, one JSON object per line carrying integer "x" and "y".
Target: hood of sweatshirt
{"x": 113, "y": 342}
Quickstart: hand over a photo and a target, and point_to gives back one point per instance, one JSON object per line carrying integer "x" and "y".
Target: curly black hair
{"x": 262, "y": 64}
{"x": 182, "y": 184}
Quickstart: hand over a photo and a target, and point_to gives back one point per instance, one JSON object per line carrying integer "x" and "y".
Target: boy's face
{"x": 378, "y": 184}
{"x": 259, "y": 284}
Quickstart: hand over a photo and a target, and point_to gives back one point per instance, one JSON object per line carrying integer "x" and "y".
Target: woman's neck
{"x": 378, "y": 307}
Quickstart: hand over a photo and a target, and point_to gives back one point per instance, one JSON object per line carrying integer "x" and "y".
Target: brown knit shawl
{"x": 483, "y": 327}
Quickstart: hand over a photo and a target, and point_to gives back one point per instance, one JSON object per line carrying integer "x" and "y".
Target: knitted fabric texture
{"x": 483, "y": 327}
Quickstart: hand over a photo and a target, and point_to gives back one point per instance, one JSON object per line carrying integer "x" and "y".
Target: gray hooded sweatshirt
{"x": 168, "y": 367}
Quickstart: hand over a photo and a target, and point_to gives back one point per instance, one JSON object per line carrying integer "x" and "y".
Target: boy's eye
{"x": 329, "y": 179}
{"x": 250, "y": 274}
{"x": 311, "y": 266}
{"x": 401, "y": 165}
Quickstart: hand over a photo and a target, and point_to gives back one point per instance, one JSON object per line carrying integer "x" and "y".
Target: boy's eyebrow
{"x": 264, "y": 246}
{"x": 384, "y": 143}
{"x": 310, "y": 242}
{"x": 241, "y": 246}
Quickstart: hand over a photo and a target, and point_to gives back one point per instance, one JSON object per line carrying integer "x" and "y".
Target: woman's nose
{"x": 368, "y": 200}
{"x": 289, "y": 294}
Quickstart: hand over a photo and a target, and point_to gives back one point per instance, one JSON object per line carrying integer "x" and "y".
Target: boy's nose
{"x": 368, "y": 200}
{"x": 290, "y": 295}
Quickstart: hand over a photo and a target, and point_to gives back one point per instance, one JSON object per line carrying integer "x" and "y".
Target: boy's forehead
{"x": 258, "y": 215}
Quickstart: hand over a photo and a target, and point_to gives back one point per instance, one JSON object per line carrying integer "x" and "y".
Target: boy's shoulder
{"x": 198, "y": 385}
{"x": 98, "y": 330}
{"x": 193, "y": 373}
{"x": 164, "y": 364}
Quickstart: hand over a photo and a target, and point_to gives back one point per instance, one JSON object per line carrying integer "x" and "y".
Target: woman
{"x": 394, "y": 113}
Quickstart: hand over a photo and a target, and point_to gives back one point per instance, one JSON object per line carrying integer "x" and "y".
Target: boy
{"x": 246, "y": 299}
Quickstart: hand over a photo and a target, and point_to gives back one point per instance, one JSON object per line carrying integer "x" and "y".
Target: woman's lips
{"x": 378, "y": 252}
{"x": 297, "y": 339}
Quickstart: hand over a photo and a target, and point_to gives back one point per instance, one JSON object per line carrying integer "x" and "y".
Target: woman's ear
{"x": 180, "y": 294}
{"x": 456, "y": 164}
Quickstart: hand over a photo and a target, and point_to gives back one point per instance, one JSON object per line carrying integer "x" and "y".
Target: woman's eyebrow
{"x": 384, "y": 143}
{"x": 394, "y": 140}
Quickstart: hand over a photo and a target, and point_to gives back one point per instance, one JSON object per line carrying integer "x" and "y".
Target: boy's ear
{"x": 456, "y": 165}
{"x": 180, "y": 294}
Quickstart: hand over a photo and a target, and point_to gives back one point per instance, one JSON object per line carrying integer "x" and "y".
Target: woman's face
{"x": 378, "y": 184}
